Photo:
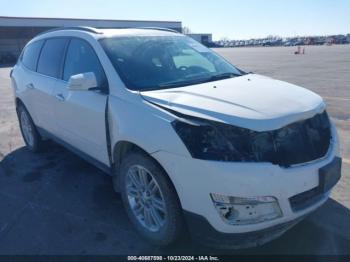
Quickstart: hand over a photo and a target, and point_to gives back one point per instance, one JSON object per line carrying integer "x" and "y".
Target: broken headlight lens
{"x": 246, "y": 211}
{"x": 208, "y": 141}
{"x": 296, "y": 143}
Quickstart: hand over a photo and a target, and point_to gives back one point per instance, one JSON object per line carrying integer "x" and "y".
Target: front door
{"x": 80, "y": 115}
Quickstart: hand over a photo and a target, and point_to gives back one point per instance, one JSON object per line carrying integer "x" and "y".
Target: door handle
{"x": 60, "y": 97}
{"x": 30, "y": 86}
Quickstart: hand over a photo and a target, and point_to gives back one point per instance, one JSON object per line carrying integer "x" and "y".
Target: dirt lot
{"x": 55, "y": 203}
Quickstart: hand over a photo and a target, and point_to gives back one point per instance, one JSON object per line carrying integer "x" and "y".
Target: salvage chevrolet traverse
{"x": 191, "y": 142}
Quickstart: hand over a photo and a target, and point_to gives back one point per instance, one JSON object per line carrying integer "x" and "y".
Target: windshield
{"x": 159, "y": 62}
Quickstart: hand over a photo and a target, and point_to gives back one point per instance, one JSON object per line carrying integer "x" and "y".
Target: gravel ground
{"x": 55, "y": 203}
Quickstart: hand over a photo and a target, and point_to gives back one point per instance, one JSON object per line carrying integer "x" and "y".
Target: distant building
{"x": 15, "y": 32}
{"x": 205, "y": 39}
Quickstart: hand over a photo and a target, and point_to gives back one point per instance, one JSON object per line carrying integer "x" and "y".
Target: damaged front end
{"x": 297, "y": 143}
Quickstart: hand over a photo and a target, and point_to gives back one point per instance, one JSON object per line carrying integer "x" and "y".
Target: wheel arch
{"x": 19, "y": 102}
{"x": 122, "y": 148}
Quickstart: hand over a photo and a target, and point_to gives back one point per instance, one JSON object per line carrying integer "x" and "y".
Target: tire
{"x": 168, "y": 225}
{"x": 29, "y": 132}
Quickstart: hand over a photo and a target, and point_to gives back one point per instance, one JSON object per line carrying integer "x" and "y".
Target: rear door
{"x": 49, "y": 69}
{"x": 80, "y": 115}
{"x": 26, "y": 78}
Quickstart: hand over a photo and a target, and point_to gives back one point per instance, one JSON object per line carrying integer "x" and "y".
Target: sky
{"x": 233, "y": 19}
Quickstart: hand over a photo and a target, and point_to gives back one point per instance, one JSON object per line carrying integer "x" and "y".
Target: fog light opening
{"x": 244, "y": 211}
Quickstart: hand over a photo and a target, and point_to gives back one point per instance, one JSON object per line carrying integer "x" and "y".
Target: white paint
{"x": 252, "y": 101}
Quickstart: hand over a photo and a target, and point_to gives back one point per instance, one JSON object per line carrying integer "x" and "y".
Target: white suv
{"x": 191, "y": 141}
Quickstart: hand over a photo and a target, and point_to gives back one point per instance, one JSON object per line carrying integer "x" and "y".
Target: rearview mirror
{"x": 82, "y": 82}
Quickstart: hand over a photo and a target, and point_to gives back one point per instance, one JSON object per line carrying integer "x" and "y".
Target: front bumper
{"x": 195, "y": 180}
{"x": 204, "y": 233}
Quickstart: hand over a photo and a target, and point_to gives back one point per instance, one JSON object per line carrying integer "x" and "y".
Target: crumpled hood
{"x": 252, "y": 101}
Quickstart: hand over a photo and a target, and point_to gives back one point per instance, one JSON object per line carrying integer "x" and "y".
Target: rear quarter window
{"x": 31, "y": 55}
{"x": 51, "y": 57}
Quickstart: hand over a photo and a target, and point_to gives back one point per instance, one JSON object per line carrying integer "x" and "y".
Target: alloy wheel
{"x": 27, "y": 129}
{"x": 145, "y": 198}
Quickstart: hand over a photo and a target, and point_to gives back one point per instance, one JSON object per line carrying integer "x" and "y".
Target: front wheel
{"x": 150, "y": 199}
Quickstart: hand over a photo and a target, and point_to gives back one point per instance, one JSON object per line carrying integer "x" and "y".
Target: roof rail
{"x": 80, "y": 28}
{"x": 160, "y": 29}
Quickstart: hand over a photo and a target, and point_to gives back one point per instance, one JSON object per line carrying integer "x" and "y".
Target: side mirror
{"x": 82, "y": 82}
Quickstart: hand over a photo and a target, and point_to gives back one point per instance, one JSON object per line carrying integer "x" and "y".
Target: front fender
{"x": 140, "y": 123}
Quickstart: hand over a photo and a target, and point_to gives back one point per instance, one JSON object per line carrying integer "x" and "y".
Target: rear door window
{"x": 31, "y": 55}
{"x": 51, "y": 57}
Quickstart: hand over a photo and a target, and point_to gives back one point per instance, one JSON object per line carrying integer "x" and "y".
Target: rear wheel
{"x": 30, "y": 135}
{"x": 150, "y": 199}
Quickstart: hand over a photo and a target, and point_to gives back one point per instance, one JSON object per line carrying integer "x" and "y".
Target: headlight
{"x": 208, "y": 140}
{"x": 245, "y": 211}
{"x": 297, "y": 143}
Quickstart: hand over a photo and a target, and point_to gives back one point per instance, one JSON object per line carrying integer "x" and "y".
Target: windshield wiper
{"x": 223, "y": 76}
{"x": 181, "y": 83}
{"x": 195, "y": 81}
